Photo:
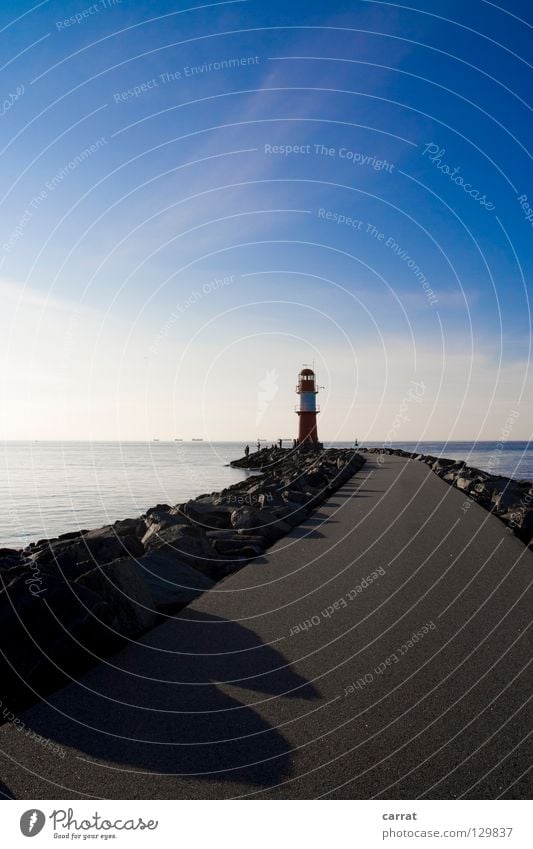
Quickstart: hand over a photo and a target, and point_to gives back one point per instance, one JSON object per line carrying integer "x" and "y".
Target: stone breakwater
{"x": 66, "y": 601}
{"x": 509, "y": 499}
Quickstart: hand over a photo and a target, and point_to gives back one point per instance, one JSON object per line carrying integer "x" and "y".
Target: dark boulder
{"x": 157, "y": 527}
{"x": 464, "y": 481}
{"x": 207, "y": 516}
{"x": 186, "y": 544}
{"x": 245, "y": 546}
{"x": 94, "y": 547}
{"x": 506, "y": 495}
{"x": 44, "y": 637}
{"x": 130, "y": 527}
{"x": 521, "y": 521}
{"x": 172, "y": 583}
{"x": 442, "y": 463}
{"x": 247, "y": 518}
{"x": 263, "y": 523}
{"x": 10, "y": 557}
{"x": 122, "y": 587}
{"x": 72, "y": 535}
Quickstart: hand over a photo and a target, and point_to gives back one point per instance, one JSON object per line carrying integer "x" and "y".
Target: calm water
{"x": 48, "y": 488}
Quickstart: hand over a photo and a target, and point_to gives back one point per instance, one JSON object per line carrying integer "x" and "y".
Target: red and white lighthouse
{"x": 308, "y": 410}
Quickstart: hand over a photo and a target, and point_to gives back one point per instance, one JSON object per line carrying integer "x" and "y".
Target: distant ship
{"x": 155, "y": 440}
{"x": 177, "y": 440}
{"x": 197, "y": 439}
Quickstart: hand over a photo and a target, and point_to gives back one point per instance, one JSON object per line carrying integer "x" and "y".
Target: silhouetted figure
{"x": 246, "y": 450}
{"x": 258, "y": 445}
{"x": 280, "y": 443}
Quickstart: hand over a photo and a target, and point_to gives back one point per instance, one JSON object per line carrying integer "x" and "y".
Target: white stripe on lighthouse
{"x": 307, "y": 402}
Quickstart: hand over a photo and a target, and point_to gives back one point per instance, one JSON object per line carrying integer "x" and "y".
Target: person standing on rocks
{"x": 258, "y": 445}
{"x": 247, "y": 451}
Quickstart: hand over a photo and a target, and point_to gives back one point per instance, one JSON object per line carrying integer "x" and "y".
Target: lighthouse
{"x": 307, "y": 410}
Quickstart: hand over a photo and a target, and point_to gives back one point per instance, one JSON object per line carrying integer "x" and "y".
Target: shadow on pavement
{"x": 5, "y": 793}
{"x": 188, "y": 722}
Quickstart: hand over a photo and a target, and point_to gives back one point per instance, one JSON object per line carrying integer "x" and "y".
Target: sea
{"x": 49, "y": 488}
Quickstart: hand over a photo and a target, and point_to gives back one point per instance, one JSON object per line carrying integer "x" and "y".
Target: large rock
{"x": 315, "y": 479}
{"x": 506, "y": 495}
{"x": 247, "y": 518}
{"x": 464, "y": 481}
{"x": 10, "y": 557}
{"x": 129, "y": 527}
{"x": 261, "y": 522}
{"x": 159, "y": 522}
{"x": 95, "y": 548}
{"x": 186, "y": 544}
{"x": 442, "y": 464}
{"x": 245, "y": 545}
{"x": 122, "y": 586}
{"x": 172, "y": 583}
{"x": 48, "y": 629}
{"x": 207, "y": 515}
{"x": 450, "y": 473}
{"x": 520, "y": 518}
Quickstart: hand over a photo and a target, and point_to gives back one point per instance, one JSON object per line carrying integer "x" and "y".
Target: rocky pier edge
{"x": 65, "y": 602}
{"x": 509, "y": 499}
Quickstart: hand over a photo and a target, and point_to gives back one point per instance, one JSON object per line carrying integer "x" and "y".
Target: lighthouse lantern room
{"x": 307, "y": 409}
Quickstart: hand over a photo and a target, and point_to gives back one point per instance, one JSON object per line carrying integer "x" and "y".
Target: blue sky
{"x": 197, "y": 200}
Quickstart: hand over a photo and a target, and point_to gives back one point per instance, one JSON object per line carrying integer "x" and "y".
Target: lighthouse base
{"x": 307, "y": 445}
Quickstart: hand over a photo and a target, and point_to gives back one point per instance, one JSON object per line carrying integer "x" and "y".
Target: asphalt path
{"x": 380, "y": 650}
